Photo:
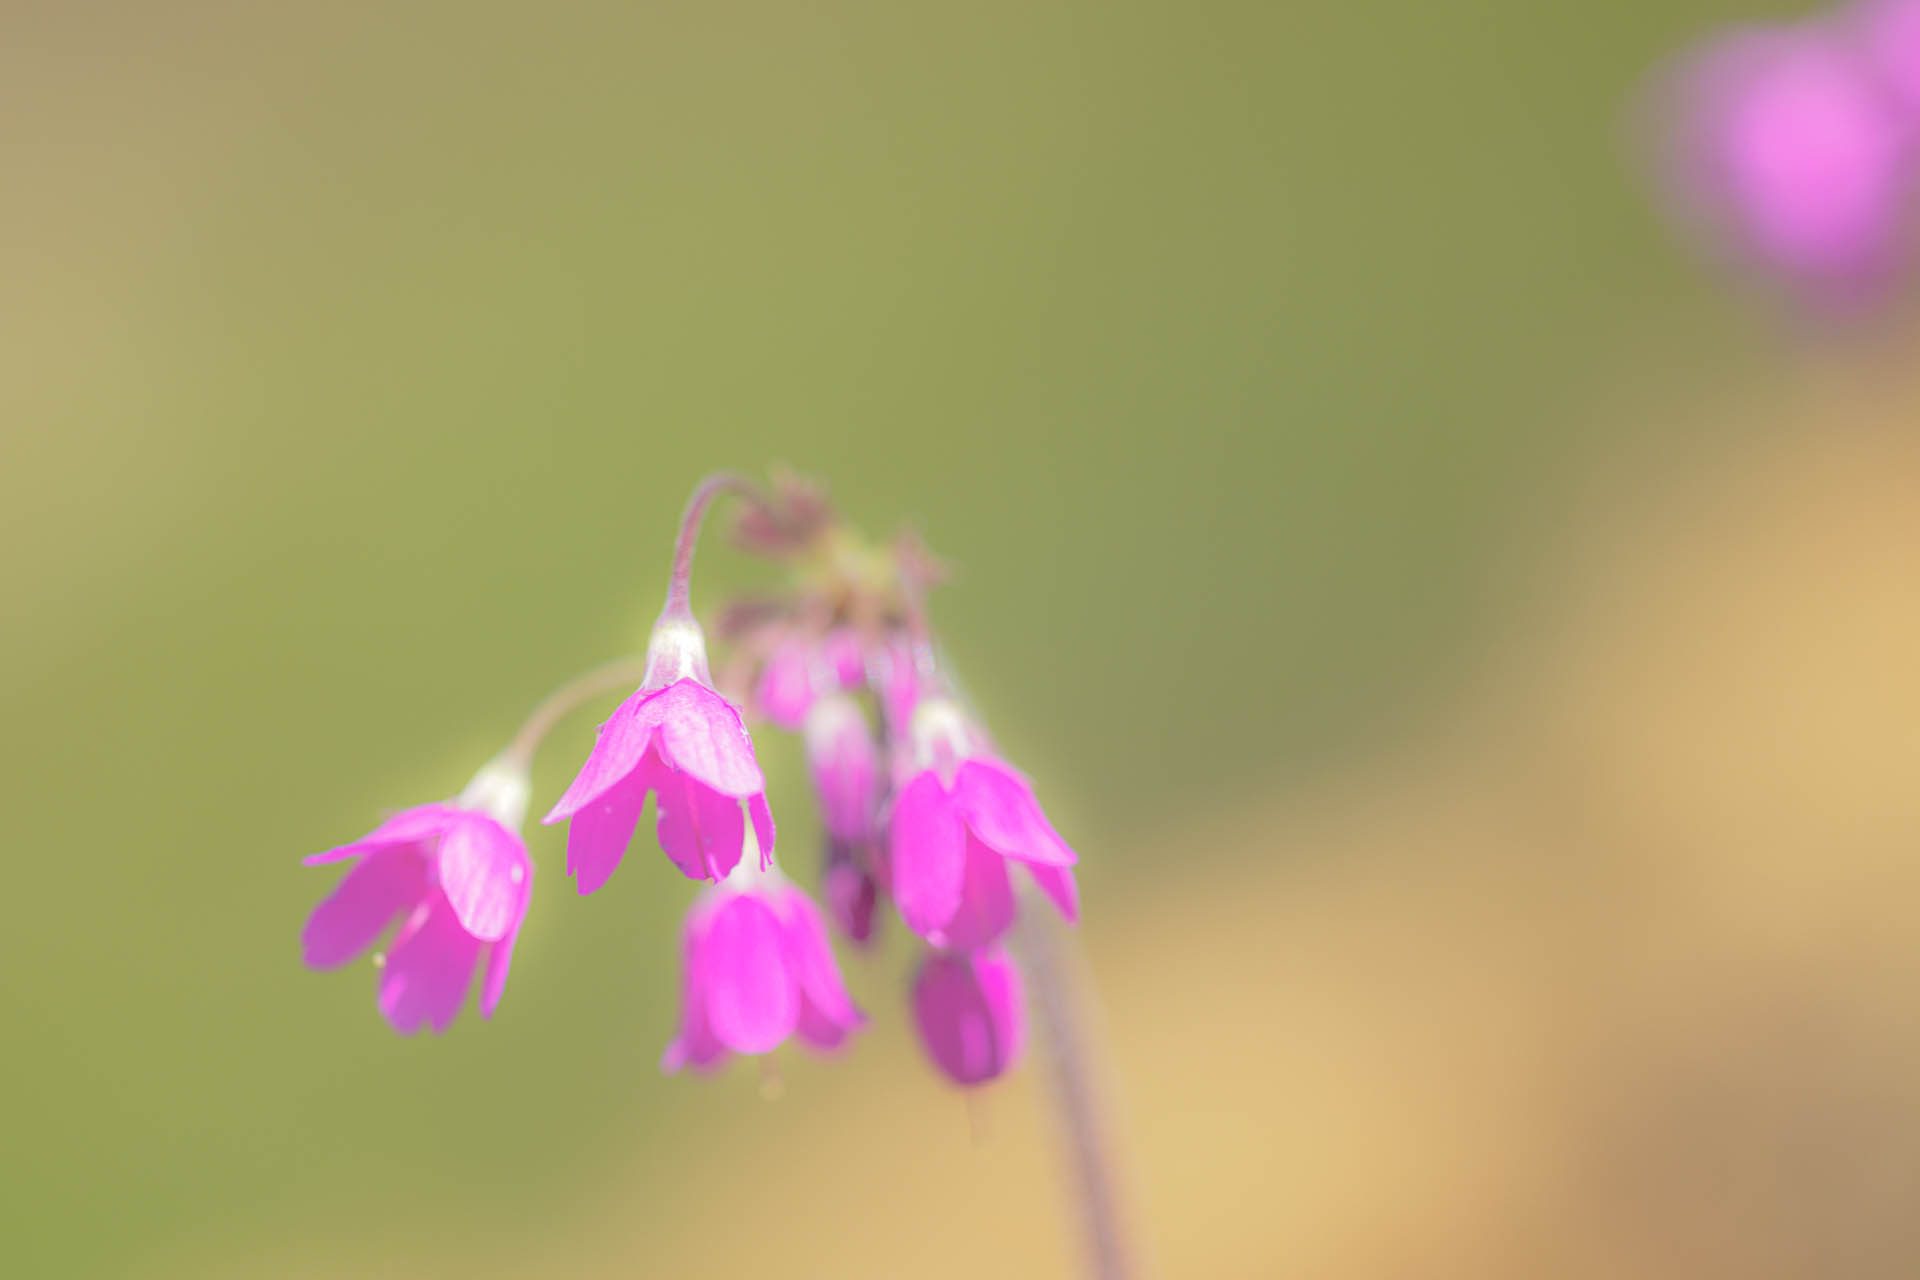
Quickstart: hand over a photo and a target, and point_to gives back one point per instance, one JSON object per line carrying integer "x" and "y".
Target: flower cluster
{"x": 1795, "y": 146}
{"x": 916, "y": 807}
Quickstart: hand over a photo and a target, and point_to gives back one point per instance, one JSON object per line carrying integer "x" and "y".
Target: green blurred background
{"x": 356, "y": 360}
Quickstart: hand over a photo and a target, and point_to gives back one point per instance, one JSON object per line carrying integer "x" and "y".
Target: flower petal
{"x": 347, "y": 921}
{"x": 617, "y": 751}
{"x": 999, "y": 805}
{"x": 1058, "y": 883}
{"x": 752, "y": 1001}
{"x": 986, "y": 902}
{"x": 928, "y": 851}
{"x": 762, "y": 828}
{"x": 601, "y": 831}
{"x": 700, "y": 829}
{"x": 499, "y": 960}
{"x": 810, "y": 956}
{"x": 487, "y": 876}
{"x": 785, "y": 688}
{"x": 409, "y": 826}
{"x": 428, "y": 971}
{"x": 702, "y": 736}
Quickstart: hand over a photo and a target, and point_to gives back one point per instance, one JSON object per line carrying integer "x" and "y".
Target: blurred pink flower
{"x": 959, "y": 816}
{"x": 970, "y": 1011}
{"x": 844, "y": 762}
{"x": 799, "y": 670}
{"x": 757, "y": 968}
{"x": 850, "y": 890}
{"x": 1792, "y": 147}
{"x": 680, "y": 739}
{"x": 459, "y": 878}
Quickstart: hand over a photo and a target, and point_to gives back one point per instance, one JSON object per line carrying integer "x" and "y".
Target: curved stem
{"x": 704, "y": 493}
{"x": 621, "y": 673}
{"x": 1059, "y": 1003}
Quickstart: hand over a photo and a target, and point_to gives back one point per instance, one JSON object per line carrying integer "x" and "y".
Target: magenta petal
{"x": 349, "y": 919}
{"x": 494, "y": 981}
{"x": 762, "y": 828}
{"x": 617, "y": 751}
{"x": 752, "y": 1002}
{"x": 602, "y": 829}
{"x": 997, "y": 803}
{"x": 486, "y": 875}
{"x": 1058, "y": 883}
{"x": 927, "y": 847}
{"x": 785, "y": 690}
{"x": 695, "y": 1045}
{"x": 700, "y": 829}
{"x": 969, "y": 1009}
{"x": 986, "y": 902}
{"x": 428, "y": 971}
{"x": 701, "y": 735}
{"x": 409, "y": 826}
{"x": 811, "y": 957}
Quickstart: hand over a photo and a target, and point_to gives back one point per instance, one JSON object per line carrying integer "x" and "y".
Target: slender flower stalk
{"x": 1059, "y": 1001}
{"x": 611, "y": 677}
{"x": 678, "y": 606}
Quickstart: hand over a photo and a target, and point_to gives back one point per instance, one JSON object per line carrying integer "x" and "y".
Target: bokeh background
{"x": 1471, "y": 643}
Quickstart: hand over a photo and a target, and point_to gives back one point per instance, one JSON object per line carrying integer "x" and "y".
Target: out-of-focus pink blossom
{"x": 850, "y": 889}
{"x": 1889, "y": 31}
{"x": 757, "y": 968}
{"x": 458, "y": 878}
{"x": 681, "y": 740}
{"x": 970, "y": 1011}
{"x": 801, "y": 669}
{"x": 1792, "y": 147}
{"x": 844, "y": 762}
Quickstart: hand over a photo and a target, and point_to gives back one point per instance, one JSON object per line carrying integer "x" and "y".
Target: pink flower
{"x": 799, "y": 668}
{"x": 758, "y": 968}
{"x": 680, "y": 739}
{"x": 957, "y": 820}
{"x": 970, "y": 1010}
{"x": 845, "y": 764}
{"x": 850, "y": 889}
{"x": 457, "y": 876}
{"x": 1792, "y": 144}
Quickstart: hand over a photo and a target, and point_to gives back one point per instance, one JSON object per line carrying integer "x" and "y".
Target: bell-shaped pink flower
{"x": 1793, "y": 146}
{"x": 970, "y": 1010}
{"x": 958, "y": 818}
{"x": 679, "y": 739}
{"x": 757, "y": 968}
{"x": 845, "y": 763}
{"x": 851, "y": 892}
{"x": 458, "y": 878}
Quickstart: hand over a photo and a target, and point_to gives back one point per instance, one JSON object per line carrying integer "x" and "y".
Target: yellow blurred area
{"x": 1610, "y": 974}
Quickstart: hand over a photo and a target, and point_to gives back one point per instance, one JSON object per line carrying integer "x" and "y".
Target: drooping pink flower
{"x": 852, "y": 893}
{"x": 959, "y": 816}
{"x": 970, "y": 1010}
{"x": 679, "y": 739}
{"x": 458, "y": 878}
{"x": 1792, "y": 145}
{"x": 845, "y": 763}
{"x": 757, "y": 968}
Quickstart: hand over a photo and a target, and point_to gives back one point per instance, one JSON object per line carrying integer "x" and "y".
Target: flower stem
{"x": 620, "y": 674}
{"x": 678, "y": 605}
{"x": 1060, "y": 1005}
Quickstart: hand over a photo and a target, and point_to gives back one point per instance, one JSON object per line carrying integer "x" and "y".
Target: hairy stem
{"x": 1060, "y": 1008}
{"x": 678, "y": 605}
